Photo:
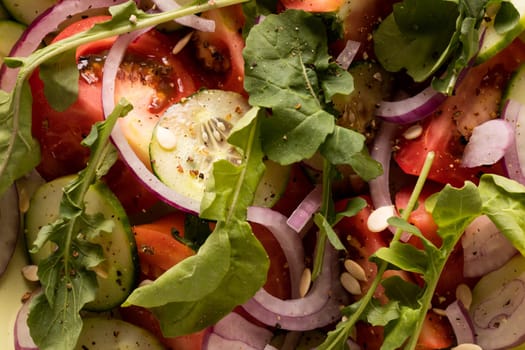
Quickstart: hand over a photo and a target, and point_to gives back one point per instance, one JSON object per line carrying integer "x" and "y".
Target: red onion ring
{"x": 234, "y": 331}
{"x": 461, "y": 323}
{"x": 302, "y": 215}
{"x": 288, "y": 239}
{"x": 347, "y": 55}
{"x": 46, "y": 23}
{"x": 22, "y": 337}
{"x": 411, "y": 109}
{"x": 514, "y": 159}
{"x": 10, "y": 224}
{"x": 488, "y": 143}
{"x": 193, "y": 21}
{"x": 485, "y": 248}
{"x": 382, "y": 152}
{"x": 319, "y": 308}
{"x": 150, "y": 181}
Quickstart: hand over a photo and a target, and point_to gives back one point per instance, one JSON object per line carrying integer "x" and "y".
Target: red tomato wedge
{"x": 220, "y": 52}
{"x": 476, "y": 100}
{"x": 157, "y": 248}
{"x": 151, "y": 78}
{"x": 313, "y": 5}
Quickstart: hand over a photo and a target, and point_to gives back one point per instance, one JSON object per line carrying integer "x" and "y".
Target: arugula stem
{"x": 382, "y": 267}
{"x": 325, "y": 211}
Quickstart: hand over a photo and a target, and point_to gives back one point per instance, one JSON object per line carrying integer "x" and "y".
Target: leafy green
{"x": 232, "y": 264}
{"x": 426, "y": 37}
{"x": 19, "y": 152}
{"x": 453, "y": 209}
{"x": 288, "y": 70}
{"x": 67, "y": 276}
{"x": 60, "y": 75}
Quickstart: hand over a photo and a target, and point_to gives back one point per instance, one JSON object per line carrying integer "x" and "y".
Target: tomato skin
{"x": 437, "y": 333}
{"x": 476, "y": 100}
{"x": 420, "y": 217}
{"x": 313, "y": 5}
{"x": 60, "y": 133}
{"x": 158, "y": 250}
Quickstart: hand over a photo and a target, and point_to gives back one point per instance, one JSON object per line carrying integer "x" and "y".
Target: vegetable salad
{"x": 267, "y": 174}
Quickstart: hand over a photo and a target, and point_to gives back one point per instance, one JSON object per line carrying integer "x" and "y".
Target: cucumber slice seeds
{"x": 191, "y": 135}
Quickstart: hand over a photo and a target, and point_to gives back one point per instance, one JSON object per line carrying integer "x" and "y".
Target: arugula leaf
{"x": 67, "y": 278}
{"x": 19, "y": 152}
{"x": 232, "y": 264}
{"x": 288, "y": 70}
{"x": 504, "y": 203}
{"x": 60, "y": 76}
{"x": 426, "y": 36}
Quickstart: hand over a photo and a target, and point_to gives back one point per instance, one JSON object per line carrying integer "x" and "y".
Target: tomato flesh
{"x": 476, "y": 100}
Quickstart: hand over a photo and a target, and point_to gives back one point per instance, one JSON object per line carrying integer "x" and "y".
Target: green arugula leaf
{"x": 414, "y": 36}
{"x": 504, "y": 203}
{"x": 232, "y": 264}
{"x": 288, "y": 70}
{"x": 60, "y": 76}
{"x": 507, "y": 18}
{"x": 429, "y": 36}
{"x": 19, "y": 151}
{"x": 68, "y": 281}
{"x": 328, "y": 230}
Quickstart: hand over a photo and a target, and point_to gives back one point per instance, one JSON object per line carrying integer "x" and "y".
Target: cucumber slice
{"x": 498, "y": 308}
{"x": 25, "y": 11}
{"x": 494, "y": 42}
{"x": 11, "y": 32}
{"x": 192, "y": 134}
{"x": 121, "y": 259}
{"x": 515, "y": 87}
{"x": 115, "y": 334}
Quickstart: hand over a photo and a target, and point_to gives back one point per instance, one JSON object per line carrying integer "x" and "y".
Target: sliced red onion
{"x": 10, "y": 224}
{"x": 288, "y": 239}
{"x": 411, "y": 109}
{"x": 514, "y": 160}
{"x": 347, "y": 55}
{"x": 302, "y": 215}
{"x": 235, "y": 332}
{"x": 488, "y": 143}
{"x": 382, "y": 153}
{"x": 461, "y": 323}
{"x": 193, "y": 21}
{"x": 150, "y": 181}
{"x": 498, "y": 307}
{"x": 485, "y": 248}
{"x": 320, "y": 307}
{"x": 46, "y": 23}
{"x": 23, "y": 340}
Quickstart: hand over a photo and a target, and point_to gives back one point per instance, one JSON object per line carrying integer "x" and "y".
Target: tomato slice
{"x": 220, "y": 52}
{"x": 419, "y": 217}
{"x": 313, "y": 5}
{"x": 151, "y": 78}
{"x": 476, "y": 100}
{"x": 158, "y": 250}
